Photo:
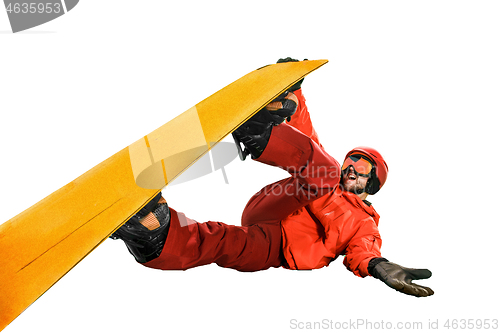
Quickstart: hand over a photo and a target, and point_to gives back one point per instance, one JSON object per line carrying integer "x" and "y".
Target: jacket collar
{"x": 354, "y": 200}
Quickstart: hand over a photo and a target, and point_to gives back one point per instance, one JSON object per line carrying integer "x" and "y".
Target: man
{"x": 302, "y": 222}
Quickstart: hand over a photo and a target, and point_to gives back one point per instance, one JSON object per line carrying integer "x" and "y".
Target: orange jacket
{"x": 339, "y": 223}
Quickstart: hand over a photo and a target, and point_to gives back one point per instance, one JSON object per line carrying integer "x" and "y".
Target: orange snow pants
{"x": 256, "y": 244}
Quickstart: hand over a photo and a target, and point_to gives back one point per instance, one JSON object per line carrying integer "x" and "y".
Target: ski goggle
{"x": 362, "y": 166}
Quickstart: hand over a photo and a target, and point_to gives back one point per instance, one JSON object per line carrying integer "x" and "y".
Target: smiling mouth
{"x": 351, "y": 176}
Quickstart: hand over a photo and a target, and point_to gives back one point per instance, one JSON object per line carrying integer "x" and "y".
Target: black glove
{"x": 400, "y": 278}
{"x": 297, "y": 85}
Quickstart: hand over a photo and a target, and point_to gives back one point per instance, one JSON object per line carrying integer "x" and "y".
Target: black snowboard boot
{"x": 254, "y": 134}
{"x": 146, "y": 232}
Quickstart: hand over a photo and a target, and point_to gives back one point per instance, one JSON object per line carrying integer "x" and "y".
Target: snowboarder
{"x": 302, "y": 222}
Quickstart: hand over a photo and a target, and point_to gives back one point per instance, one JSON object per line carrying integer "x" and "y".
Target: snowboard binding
{"x": 254, "y": 134}
{"x": 145, "y": 233}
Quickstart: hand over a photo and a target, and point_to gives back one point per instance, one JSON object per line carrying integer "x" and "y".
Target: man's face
{"x": 355, "y": 173}
{"x": 352, "y": 182}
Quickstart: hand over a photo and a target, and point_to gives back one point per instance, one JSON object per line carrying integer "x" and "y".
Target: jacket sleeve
{"x": 364, "y": 246}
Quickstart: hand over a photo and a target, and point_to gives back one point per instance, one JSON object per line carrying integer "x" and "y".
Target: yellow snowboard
{"x": 40, "y": 245}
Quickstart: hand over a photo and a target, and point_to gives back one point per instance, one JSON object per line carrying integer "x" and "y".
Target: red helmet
{"x": 379, "y": 172}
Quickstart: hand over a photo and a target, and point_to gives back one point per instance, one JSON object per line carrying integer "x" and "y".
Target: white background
{"x": 418, "y": 80}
